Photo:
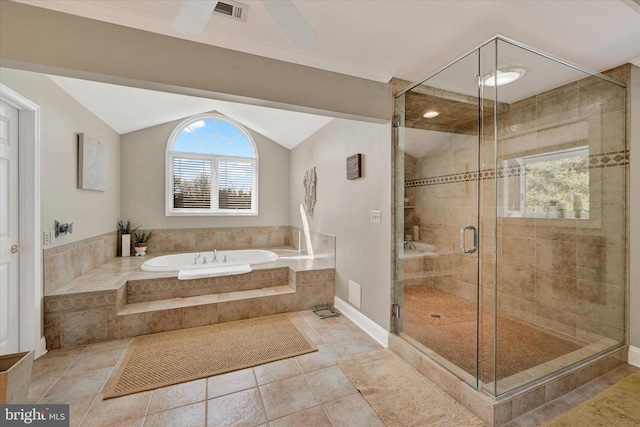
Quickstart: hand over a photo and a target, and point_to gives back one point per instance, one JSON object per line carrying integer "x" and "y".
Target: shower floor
{"x": 452, "y": 331}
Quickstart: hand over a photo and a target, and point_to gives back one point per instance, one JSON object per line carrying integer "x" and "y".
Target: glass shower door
{"x": 510, "y": 216}
{"x": 437, "y": 216}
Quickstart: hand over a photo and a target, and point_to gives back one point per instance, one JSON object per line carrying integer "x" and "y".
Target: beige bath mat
{"x": 400, "y": 395}
{"x": 173, "y": 357}
{"x": 618, "y": 405}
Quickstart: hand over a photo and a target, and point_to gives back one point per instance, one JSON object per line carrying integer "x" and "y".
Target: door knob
{"x": 15, "y": 248}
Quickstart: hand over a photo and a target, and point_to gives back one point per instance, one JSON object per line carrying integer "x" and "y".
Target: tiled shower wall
{"x": 567, "y": 275}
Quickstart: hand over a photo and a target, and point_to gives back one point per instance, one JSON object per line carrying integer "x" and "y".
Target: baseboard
{"x": 42, "y": 347}
{"x": 371, "y": 328}
{"x": 634, "y": 356}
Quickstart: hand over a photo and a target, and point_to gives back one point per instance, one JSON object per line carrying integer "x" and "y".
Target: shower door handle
{"x": 463, "y": 245}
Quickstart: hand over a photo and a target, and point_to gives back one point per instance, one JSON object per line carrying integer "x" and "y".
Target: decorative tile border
{"x": 315, "y": 276}
{"x": 612, "y": 158}
{"x": 79, "y": 302}
{"x": 601, "y": 160}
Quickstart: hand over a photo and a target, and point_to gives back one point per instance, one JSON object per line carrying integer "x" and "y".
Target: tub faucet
{"x": 408, "y": 244}
{"x": 195, "y": 258}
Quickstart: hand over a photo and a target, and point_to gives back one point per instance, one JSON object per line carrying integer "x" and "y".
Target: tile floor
{"x": 308, "y": 390}
{"x": 556, "y": 407}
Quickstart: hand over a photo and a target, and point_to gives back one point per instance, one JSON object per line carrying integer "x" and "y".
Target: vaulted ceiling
{"x": 381, "y": 39}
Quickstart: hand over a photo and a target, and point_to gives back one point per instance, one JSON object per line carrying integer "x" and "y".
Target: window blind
{"x": 191, "y": 183}
{"x": 235, "y": 184}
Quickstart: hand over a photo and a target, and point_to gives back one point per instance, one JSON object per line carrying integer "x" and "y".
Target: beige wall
{"x": 62, "y": 118}
{"x": 143, "y": 183}
{"x": 343, "y": 206}
{"x": 42, "y": 40}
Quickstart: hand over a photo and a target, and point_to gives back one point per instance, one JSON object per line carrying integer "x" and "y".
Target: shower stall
{"x": 510, "y": 216}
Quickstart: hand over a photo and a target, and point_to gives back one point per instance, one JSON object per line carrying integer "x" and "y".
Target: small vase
{"x": 140, "y": 250}
{"x": 126, "y": 245}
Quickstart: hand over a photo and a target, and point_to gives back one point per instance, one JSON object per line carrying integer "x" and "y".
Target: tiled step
{"x": 172, "y": 288}
{"x": 173, "y": 303}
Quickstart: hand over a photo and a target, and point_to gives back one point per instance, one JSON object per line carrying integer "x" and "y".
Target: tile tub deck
{"x": 118, "y": 300}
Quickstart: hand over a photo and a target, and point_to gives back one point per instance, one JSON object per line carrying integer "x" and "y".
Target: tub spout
{"x": 409, "y": 245}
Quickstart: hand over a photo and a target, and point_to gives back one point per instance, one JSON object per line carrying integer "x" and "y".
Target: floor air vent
{"x": 232, "y": 9}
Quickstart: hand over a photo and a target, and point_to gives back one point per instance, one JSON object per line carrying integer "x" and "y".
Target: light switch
{"x": 375, "y": 217}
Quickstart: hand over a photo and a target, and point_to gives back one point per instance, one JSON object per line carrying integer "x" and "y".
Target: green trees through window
{"x": 548, "y": 183}
{"x": 556, "y": 179}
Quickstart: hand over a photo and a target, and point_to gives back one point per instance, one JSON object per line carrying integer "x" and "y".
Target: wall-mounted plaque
{"x": 354, "y": 166}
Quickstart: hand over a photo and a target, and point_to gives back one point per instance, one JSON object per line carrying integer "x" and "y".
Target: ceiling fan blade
{"x": 193, "y": 16}
{"x": 294, "y": 26}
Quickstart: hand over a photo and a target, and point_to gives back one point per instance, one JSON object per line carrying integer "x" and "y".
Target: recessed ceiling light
{"x": 430, "y": 114}
{"x": 503, "y": 76}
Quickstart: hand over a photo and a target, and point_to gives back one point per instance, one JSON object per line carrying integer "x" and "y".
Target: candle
{"x": 577, "y": 201}
{"x": 562, "y": 209}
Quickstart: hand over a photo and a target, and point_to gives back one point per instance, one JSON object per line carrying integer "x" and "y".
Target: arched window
{"x": 212, "y": 168}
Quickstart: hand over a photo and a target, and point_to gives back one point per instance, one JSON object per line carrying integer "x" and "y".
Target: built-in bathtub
{"x": 209, "y": 260}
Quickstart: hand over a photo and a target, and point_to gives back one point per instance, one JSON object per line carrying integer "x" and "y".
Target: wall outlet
{"x": 355, "y": 291}
{"x": 375, "y": 217}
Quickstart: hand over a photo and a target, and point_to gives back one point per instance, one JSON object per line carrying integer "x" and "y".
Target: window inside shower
{"x": 553, "y": 184}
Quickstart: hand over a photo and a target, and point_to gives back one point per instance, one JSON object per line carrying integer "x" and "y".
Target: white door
{"x": 9, "y": 243}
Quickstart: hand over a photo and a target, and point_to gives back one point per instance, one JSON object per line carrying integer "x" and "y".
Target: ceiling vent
{"x": 232, "y": 9}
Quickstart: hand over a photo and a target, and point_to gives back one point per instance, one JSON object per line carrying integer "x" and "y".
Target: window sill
{"x": 209, "y": 213}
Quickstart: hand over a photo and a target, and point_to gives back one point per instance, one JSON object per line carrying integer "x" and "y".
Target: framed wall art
{"x": 92, "y": 164}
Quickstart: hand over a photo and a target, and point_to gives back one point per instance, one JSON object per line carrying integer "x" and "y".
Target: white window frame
{"x": 523, "y": 161}
{"x": 215, "y": 159}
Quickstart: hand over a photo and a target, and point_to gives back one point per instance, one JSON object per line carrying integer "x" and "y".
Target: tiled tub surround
{"x": 118, "y": 300}
{"x": 63, "y": 264}
{"x": 223, "y": 238}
